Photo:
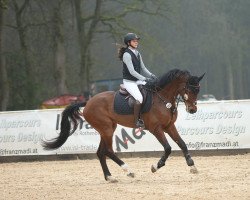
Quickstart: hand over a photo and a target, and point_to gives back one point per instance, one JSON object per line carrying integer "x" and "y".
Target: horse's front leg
{"x": 173, "y": 133}
{"x": 159, "y": 134}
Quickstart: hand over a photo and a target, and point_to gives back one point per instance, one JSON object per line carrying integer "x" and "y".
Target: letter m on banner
{"x": 124, "y": 141}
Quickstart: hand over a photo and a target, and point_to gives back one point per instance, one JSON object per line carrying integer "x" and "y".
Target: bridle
{"x": 179, "y": 98}
{"x": 189, "y": 88}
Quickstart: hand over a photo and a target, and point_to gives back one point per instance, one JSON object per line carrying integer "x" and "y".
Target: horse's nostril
{"x": 192, "y": 111}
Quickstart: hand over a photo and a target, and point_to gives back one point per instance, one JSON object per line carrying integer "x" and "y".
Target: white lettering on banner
{"x": 4, "y": 124}
{"x": 35, "y": 138}
{"x": 195, "y": 131}
{"x": 7, "y": 138}
{"x": 219, "y": 125}
{"x": 234, "y": 130}
{"x": 220, "y": 129}
{"x": 203, "y": 116}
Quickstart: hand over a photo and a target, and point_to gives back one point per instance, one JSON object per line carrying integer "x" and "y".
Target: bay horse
{"x": 99, "y": 113}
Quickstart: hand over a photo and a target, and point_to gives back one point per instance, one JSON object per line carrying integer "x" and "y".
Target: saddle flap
{"x": 123, "y": 104}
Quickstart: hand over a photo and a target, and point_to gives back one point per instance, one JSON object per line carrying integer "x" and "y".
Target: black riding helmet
{"x": 130, "y": 36}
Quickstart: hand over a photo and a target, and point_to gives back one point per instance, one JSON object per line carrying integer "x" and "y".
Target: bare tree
{"x": 85, "y": 35}
{"x": 21, "y": 28}
{"x": 4, "y": 84}
{"x": 59, "y": 49}
{"x": 110, "y": 21}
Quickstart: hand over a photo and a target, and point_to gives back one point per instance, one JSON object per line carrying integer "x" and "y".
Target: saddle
{"x": 124, "y": 102}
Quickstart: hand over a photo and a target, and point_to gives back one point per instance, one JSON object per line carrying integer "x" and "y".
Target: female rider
{"x": 134, "y": 73}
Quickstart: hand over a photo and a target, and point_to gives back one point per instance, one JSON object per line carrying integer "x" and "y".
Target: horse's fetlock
{"x": 161, "y": 163}
{"x": 189, "y": 160}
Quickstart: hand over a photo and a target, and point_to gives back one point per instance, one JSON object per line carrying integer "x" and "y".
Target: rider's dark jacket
{"x": 136, "y": 63}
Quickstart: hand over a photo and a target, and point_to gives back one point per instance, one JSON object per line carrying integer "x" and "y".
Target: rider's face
{"x": 134, "y": 43}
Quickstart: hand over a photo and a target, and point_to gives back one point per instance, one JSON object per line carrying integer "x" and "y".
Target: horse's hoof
{"x": 190, "y": 162}
{"x": 193, "y": 170}
{"x": 111, "y": 179}
{"x": 130, "y": 174}
{"x": 153, "y": 168}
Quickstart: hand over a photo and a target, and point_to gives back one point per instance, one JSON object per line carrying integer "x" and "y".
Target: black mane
{"x": 170, "y": 76}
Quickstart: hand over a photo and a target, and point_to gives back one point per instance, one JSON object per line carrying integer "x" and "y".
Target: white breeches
{"x": 132, "y": 88}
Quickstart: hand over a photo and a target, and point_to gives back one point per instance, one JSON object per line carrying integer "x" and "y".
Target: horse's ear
{"x": 201, "y": 77}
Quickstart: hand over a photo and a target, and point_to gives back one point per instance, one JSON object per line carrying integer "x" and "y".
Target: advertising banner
{"x": 216, "y": 125}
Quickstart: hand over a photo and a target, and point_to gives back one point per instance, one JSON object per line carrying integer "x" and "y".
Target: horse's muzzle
{"x": 191, "y": 109}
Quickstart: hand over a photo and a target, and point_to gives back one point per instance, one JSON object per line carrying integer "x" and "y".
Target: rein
{"x": 177, "y": 104}
{"x": 179, "y": 98}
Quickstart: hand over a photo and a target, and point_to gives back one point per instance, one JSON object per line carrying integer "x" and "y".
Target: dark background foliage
{"x": 50, "y": 48}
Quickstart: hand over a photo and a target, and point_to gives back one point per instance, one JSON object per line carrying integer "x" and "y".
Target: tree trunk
{"x": 85, "y": 39}
{"x": 29, "y": 98}
{"x": 4, "y": 84}
{"x": 82, "y": 46}
{"x": 59, "y": 53}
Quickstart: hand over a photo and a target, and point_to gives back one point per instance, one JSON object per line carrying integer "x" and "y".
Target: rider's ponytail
{"x": 121, "y": 51}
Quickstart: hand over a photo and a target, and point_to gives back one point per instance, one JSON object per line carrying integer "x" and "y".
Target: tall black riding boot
{"x": 137, "y": 112}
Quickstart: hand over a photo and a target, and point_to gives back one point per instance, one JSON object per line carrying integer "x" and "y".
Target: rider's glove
{"x": 150, "y": 81}
{"x": 153, "y": 77}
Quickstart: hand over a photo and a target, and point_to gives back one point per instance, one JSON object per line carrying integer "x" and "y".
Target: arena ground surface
{"x": 220, "y": 177}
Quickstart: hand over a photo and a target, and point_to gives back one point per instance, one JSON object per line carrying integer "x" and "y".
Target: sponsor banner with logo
{"x": 216, "y": 125}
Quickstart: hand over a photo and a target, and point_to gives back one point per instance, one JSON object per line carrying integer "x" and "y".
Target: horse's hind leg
{"x": 173, "y": 133}
{"x": 105, "y": 149}
{"x": 110, "y": 153}
{"x": 102, "y": 158}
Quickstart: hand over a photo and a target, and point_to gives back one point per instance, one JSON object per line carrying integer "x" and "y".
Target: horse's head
{"x": 182, "y": 83}
{"x": 190, "y": 92}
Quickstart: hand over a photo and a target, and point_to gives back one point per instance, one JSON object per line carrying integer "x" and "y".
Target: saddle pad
{"x": 121, "y": 104}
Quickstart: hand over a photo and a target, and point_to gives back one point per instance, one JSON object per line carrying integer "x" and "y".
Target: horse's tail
{"x": 70, "y": 114}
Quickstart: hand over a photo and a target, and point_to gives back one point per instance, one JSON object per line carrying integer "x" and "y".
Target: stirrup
{"x": 140, "y": 123}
